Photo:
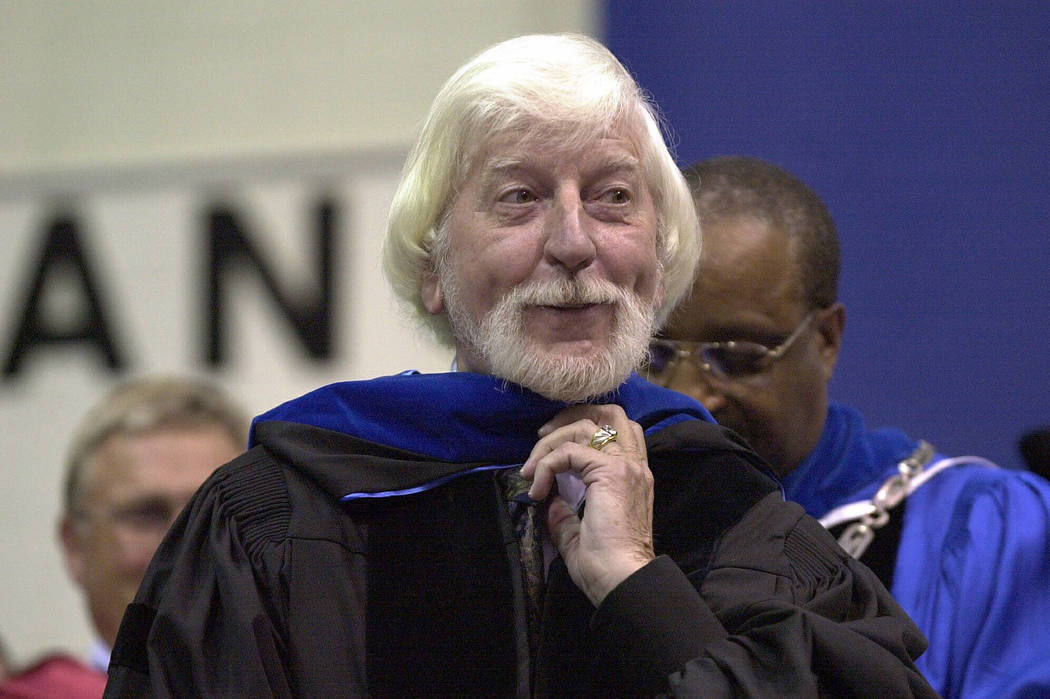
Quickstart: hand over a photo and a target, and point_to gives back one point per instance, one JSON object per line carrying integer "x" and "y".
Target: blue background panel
{"x": 926, "y": 129}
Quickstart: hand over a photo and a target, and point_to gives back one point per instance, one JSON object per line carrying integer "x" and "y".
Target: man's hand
{"x": 615, "y": 536}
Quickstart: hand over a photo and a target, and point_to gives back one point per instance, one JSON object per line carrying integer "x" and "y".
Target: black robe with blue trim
{"x": 361, "y": 547}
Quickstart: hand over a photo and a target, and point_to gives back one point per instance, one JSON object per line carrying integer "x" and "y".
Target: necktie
{"x": 526, "y": 516}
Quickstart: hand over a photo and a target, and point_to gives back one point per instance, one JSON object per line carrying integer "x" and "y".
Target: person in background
{"x": 964, "y": 546}
{"x": 136, "y": 459}
{"x": 404, "y": 536}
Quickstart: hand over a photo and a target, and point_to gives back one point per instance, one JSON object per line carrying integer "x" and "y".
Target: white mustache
{"x": 566, "y": 292}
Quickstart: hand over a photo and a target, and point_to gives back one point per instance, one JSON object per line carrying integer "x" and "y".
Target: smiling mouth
{"x": 570, "y": 306}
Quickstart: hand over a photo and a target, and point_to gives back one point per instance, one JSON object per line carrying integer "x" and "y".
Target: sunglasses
{"x": 731, "y": 360}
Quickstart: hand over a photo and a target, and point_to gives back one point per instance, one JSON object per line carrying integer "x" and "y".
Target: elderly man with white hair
{"x": 541, "y": 521}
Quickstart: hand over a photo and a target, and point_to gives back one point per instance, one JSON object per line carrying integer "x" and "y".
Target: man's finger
{"x": 567, "y": 456}
{"x": 563, "y": 525}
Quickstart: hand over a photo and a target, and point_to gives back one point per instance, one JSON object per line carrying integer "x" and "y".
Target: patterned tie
{"x": 525, "y": 514}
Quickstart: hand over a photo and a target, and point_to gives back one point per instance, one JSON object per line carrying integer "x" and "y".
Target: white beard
{"x": 501, "y": 342}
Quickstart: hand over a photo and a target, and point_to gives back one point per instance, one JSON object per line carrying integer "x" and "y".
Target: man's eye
{"x": 146, "y": 516}
{"x": 616, "y": 196}
{"x": 518, "y": 196}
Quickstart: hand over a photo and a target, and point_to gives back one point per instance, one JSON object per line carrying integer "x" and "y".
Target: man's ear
{"x": 831, "y": 322}
{"x": 430, "y": 292}
{"x": 72, "y": 547}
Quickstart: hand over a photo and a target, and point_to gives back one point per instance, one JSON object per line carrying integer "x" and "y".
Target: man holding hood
{"x": 541, "y": 521}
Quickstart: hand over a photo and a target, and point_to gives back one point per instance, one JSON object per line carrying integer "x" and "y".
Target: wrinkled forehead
{"x": 588, "y": 155}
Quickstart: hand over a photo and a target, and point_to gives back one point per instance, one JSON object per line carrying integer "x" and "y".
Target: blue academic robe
{"x": 973, "y": 566}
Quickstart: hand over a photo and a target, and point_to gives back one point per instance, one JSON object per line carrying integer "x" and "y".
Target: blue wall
{"x": 926, "y": 129}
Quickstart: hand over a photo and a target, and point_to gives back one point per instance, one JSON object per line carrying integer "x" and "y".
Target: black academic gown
{"x": 320, "y": 563}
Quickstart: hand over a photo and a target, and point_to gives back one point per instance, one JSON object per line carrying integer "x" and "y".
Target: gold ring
{"x": 604, "y": 435}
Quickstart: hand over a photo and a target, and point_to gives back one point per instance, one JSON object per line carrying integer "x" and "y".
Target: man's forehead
{"x": 509, "y": 153}
{"x": 746, "y": 283}
{"x": 128, "y": 455}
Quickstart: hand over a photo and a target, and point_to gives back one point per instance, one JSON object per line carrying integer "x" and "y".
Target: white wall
{"x": 135, "y": 115}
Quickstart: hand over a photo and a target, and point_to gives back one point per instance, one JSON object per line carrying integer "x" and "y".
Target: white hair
{"x": 567, "y": 86}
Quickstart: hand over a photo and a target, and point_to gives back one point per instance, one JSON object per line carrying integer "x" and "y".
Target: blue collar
{"x": 847, "y": 462}
{"x": 459, "y": 416}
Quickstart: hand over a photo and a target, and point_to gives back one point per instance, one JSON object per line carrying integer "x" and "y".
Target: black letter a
{"x": 63, "y": 253}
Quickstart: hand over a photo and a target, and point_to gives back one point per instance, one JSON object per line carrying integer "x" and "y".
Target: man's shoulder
{"x": 967, "y": 482}
{"x": 705, "y": 482}
{"x": 697, "y": 450}
{"x": 701, "y": 436}
{"x": 270, "y": 500}
{"x": 775, "y": 550}
{"x": 255, "y": 470}
{"x": 971, "y": 519}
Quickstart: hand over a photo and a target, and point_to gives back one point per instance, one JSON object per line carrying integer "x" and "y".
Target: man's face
{"x": 132, "y": 490}
{"x": 552, "y": 260}
{"x": 748, "y": 288}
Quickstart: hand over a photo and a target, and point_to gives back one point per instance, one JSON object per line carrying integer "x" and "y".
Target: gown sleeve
{"x": 782, "y": 611}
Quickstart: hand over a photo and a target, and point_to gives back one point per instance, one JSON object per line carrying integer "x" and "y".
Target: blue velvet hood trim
{"x": 459, "y": 416}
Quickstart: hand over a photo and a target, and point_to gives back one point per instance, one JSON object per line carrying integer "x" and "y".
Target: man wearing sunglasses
{"x": 963, "y": 545}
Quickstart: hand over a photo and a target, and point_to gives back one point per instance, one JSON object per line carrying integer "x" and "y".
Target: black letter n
{"x": 230, "y": 247}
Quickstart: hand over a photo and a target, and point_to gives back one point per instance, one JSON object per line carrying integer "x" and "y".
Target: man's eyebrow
{"x": 502, "y": 163}
{"x": 619, "y": 163}
{"x": 496, "y": 168}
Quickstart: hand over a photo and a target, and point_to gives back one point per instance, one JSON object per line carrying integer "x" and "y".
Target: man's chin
{"x": 565, "y": 376}
{"x": 563, "y": 393}
{"x": 583, "y": 350}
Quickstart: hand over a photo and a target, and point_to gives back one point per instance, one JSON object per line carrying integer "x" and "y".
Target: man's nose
{"x": 695, "y": 385}
{"x": 711, "y": 398}
{"x": 569, "y": 233}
